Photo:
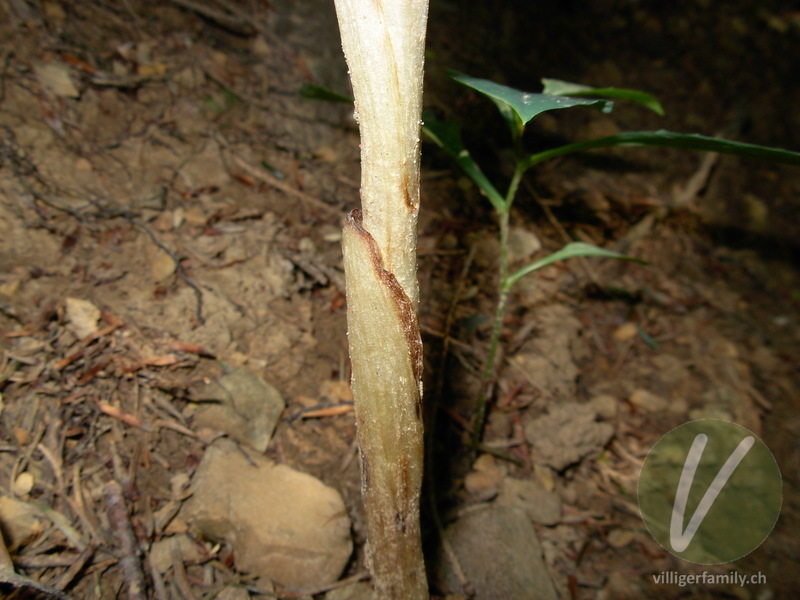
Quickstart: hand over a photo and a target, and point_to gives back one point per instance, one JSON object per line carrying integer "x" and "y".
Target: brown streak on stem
{"x": 364, "y": 471}
{"x": 404, "y": 190}
{"x": 408, "y": 317}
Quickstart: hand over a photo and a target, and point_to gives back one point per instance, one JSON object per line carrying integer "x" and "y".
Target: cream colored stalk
{"x": 384, "y": 44}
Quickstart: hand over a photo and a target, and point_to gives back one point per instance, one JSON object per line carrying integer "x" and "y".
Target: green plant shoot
{"x": 518, "y": 109}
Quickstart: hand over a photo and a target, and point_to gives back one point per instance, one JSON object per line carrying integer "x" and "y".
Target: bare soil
{"x": 170, "y": 207}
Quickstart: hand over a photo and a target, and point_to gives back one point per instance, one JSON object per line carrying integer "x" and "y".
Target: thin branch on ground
{"x": 130, "y": 561}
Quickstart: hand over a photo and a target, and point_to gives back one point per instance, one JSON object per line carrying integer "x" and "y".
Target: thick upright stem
{"x": 383, "y": 42}
{"x": 386, "y": 357}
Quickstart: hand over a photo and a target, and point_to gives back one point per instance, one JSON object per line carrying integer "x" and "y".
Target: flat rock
{"x": 21, "y": 522}
{"x": 284, "y": 525}
{"x": 246, "y": 407}
{"x": 522, "y": 244}
{"x": 163, "y": 551}
{"x": 620, "y": 586}
{"x": 485, "y": 478}
{"x": 547, "y": 359}
{"x": 606, "y": 405}
{"x": 500, "y": 555}
{"x": 647, "y": 401}
{"x": 541, "y": 506}
{"x": 82, "y": 316}
{"x": 357, "y": 590}
{"x": 233, "y": 593}
{"x": 567, "y": 434}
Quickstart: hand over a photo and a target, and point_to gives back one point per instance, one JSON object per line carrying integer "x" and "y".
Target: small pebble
{"x": 23, "y": 484}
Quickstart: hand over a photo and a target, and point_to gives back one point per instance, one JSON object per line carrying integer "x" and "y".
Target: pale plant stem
{"x": 504, "y": 289}
{"x": 383, "y": 42}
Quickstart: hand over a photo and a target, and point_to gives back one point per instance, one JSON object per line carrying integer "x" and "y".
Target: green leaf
{"x": 668, "y": 139}
{"x": 572, "y": 250}
{"x": 556, "y": 87}
{"x": 318, "y": 92}
{"x": 447, "y": 135}
{"x": 648, "y": 339}
{"x": 220, "y": 101}
{"x": 525, "y": 105}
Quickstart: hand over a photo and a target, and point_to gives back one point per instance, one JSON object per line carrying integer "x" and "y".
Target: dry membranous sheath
{"x": 384, "y": 42}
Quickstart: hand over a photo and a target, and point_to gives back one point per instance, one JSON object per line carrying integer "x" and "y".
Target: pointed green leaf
{"x": 556, "y": 87}
{"x": 572, "y": 250}
{"x": 668, "y": 139}
{"x": 525, "y": 105}
{"x": 648, "y": 339}
{"x": 447, "y": 135}
{"x": 318, "y": 92}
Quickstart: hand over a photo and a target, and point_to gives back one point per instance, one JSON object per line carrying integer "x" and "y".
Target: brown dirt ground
{"x": 157, "y": 161}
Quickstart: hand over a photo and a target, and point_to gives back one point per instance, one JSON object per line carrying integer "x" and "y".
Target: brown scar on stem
{"x": 364, "y": 470}
{"x": 400, "y": 522}
{"x": 405, "y": 486}
{"x": 405, "y": 310}
{"x": 404, "y": 182}
{"x": 404, "y": 190}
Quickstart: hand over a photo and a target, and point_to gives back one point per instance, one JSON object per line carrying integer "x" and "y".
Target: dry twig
{"x": 9, "y": 578}
{"x": 130, "y": 561}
